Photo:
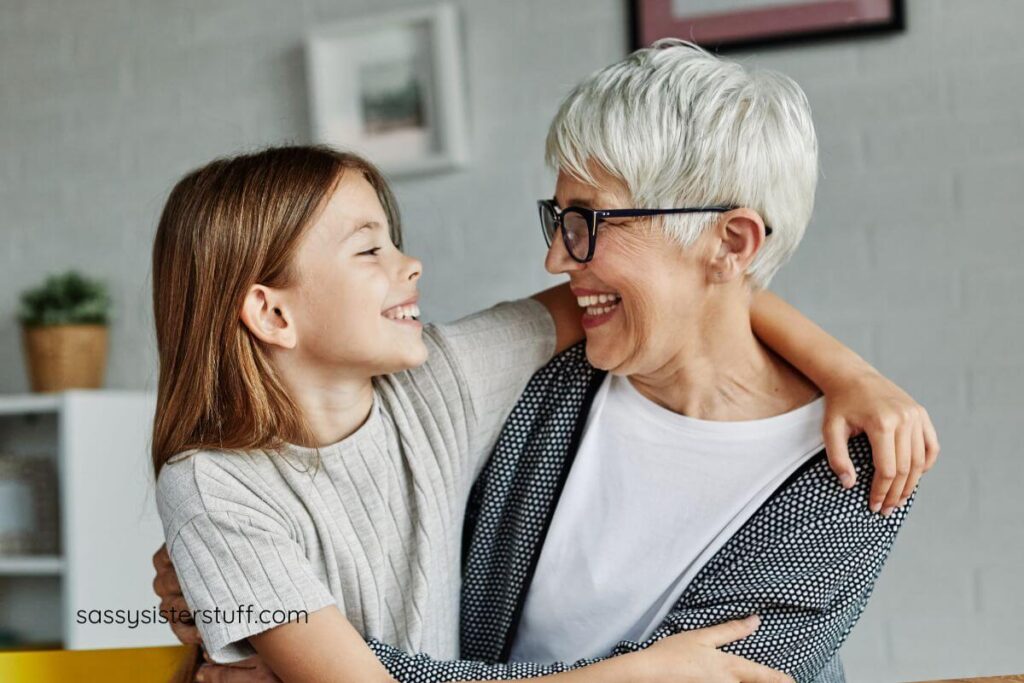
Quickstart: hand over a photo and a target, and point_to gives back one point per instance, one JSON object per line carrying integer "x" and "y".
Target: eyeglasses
{"x": 579, "y": 224}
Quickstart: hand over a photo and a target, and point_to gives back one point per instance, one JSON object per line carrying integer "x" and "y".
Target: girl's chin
{"x": 413, "y": 358}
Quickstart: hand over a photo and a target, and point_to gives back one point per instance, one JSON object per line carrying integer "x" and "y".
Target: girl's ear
{"x": 267, "y": 316}
{"x": 739, "y": 236}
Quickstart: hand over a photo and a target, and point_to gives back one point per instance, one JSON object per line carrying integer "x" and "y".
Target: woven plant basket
{"x": 65, "y": 356}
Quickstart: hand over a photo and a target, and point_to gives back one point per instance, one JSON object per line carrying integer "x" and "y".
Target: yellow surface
{"x": 998, "y": 679}
{"x": 133, "y": 665}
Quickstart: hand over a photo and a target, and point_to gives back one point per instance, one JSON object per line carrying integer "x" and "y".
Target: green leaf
{"x": 65, "y": 299}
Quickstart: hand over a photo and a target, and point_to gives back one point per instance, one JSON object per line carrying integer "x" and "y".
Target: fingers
{"x": 883, "y": 445}
{"x": 166, "y": 580}
{"x": 903, "y": 449}
{"x": 917, "y": 460}
{"x": 165, "y": 583}
{"x": 186, "y": 634}
{"x": 931, "y": 441}
{"x": 216, "y": 673}
{"x": 161, "y": 558}
{"x": 235, "y": 673}
{"x": 175, "y": 610}
{"x": 836, "y": 435}
{"x": 173, "y": 607}
{"x": 752, "y": 672}
{"x": 729, "y": 632}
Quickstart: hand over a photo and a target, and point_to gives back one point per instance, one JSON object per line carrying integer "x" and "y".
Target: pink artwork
{"x": 751, "y": 23}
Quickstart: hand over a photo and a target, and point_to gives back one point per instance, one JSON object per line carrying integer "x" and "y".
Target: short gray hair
{"x": 682, "y": 127}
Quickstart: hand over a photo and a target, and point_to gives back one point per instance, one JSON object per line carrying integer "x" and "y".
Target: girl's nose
{"x": 412, "y": 268}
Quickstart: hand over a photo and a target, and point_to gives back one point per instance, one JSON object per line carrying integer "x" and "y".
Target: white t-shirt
{"x": 650, "y": 498}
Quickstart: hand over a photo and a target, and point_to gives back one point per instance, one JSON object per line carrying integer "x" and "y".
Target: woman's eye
{"x": 602, "y": 224}
{"x": 370, "y": 252}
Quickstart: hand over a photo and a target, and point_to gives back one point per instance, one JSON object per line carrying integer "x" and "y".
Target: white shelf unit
{"x": 109, "y": 527}
{"x": 31, "y": 565}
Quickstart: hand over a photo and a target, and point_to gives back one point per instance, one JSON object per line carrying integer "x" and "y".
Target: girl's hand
{"x": 903, "y": 439}
{"x": 694, "y": 657}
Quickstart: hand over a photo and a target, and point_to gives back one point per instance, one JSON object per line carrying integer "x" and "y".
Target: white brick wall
{"x": 913, "y": 256}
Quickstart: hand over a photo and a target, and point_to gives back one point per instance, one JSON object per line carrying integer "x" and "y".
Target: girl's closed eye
{"x": 369, "y": 252}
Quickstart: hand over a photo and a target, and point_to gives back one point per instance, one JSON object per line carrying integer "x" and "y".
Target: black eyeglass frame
{"x": 592, "y": 216}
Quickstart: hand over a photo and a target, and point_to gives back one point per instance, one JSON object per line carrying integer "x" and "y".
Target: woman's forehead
{"x": 608, "y": 193}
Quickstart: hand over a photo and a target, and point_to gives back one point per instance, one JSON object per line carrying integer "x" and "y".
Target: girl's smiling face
{"x": 354, "y": 298}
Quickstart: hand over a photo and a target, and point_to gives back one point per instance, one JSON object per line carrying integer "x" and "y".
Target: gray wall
{"x": 912, "y": 258}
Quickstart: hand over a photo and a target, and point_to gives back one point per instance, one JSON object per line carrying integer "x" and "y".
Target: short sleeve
{"x": 241, "y": 573}
{"x": 496, "y": 351}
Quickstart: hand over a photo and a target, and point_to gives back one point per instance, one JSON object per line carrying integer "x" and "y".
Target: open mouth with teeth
{"x": 404, "y": 313}
{"x": 598, "y": 304}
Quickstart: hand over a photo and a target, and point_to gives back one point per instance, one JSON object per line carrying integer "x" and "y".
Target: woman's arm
{"x": 332, "y": 651}
{"x": 858, "y": 400}
{"x": 327, "y": 647}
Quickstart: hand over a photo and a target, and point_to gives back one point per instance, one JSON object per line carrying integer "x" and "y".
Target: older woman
{"x": 675, "y": 470}
{"x": 669, "y": 473}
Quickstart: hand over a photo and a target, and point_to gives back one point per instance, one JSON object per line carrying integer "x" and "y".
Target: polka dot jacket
{"x": 806, "y": 561}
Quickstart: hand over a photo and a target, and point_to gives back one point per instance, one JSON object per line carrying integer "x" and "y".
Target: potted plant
{"x": 64, "y": 332}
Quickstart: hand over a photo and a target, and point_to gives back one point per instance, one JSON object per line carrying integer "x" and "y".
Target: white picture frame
{"x": 390, "y": 87}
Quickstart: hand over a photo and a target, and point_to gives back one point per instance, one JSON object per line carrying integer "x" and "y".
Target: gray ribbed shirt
{"x": 377, "y": 530}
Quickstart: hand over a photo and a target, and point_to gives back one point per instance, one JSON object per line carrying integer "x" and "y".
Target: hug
{"x": 657, "y": 471}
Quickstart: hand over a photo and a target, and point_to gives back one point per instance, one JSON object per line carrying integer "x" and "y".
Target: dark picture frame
{"x": 783, "y": 23}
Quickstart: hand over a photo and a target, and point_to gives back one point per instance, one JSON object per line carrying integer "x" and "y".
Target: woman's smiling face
{"x": 655, "y": 286}
{"x": 355, "y": 293}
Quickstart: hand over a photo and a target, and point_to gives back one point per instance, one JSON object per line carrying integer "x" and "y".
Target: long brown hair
{"x": 226, "y": 226}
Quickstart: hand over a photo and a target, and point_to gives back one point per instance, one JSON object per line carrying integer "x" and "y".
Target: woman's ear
{"x": 739, "y": 235}
{"x": 267, "y": 316}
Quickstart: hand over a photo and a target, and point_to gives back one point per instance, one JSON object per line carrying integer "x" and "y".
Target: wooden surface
{"x": 1019, "y": 678}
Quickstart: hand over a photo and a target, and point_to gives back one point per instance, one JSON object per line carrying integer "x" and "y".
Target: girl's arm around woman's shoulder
{"x": 859, "y": 399}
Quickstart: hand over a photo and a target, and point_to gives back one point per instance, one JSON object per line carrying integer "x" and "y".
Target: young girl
{"x": 315, "y": 444}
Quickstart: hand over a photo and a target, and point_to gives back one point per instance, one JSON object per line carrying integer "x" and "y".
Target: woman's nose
{"x": 558, "y": 260}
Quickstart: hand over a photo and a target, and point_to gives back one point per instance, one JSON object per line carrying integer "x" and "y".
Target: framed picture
{"x": 729, "y": 24}
{"x": 390, "y": 87}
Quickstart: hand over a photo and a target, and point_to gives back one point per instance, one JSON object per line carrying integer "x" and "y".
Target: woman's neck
{"x": 723, "y": 372}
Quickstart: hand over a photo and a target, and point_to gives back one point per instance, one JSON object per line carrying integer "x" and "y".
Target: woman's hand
{"x": 250, "y": 670}
{"x": 693, "y": 656}
{"x": 903, "y": 439}
{"x": 172, "y": 603}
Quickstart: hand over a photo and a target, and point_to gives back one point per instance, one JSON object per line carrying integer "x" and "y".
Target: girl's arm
{"x": 324, "y": 648}
{"x": 858, "y": 398}
{"x": 562, "y": 306}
